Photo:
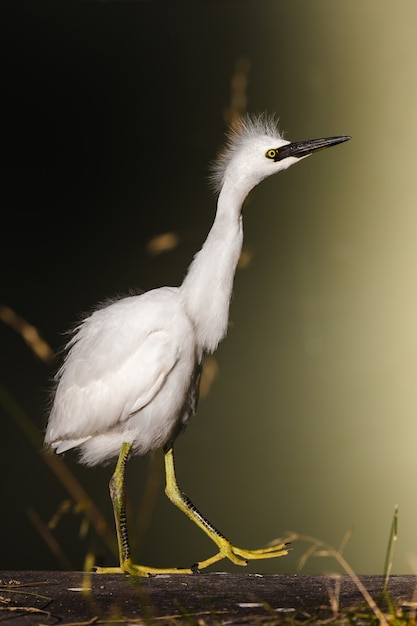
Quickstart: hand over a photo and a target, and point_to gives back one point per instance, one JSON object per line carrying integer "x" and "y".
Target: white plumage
{"x": 132, "y": 368}
{"x": 125, "y": 382}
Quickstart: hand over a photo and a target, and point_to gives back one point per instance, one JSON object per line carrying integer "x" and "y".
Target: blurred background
{"x": 111, "y": 114}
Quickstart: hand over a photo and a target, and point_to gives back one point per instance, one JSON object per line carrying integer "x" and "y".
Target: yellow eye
{"x": 271, "y": 154}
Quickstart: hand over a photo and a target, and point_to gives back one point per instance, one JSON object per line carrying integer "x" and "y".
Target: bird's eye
{"x": 271, "y": 154}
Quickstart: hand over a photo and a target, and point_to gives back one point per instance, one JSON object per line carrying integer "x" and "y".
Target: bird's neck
{"x": 207, "y": 287}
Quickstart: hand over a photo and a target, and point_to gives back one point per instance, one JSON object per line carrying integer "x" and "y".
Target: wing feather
{"x": 111, "y": 370}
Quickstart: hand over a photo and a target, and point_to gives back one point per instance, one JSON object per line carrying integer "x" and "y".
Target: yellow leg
{"x": 118, "y": 496}
{"x": 237, "y": 555}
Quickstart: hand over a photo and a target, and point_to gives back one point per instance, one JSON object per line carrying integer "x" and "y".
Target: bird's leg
{"x": 118, "y": 496}
{"x": 237, "y": 555}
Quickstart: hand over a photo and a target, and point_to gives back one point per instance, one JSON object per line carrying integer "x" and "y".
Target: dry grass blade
{"x": 58, "y": 467}
{"x": 49, "y": 539}
{"x": 29, "y": 333}
{"x": 321, "y": 549}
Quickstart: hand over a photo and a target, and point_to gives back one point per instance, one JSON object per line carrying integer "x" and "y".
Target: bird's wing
{"x": 148, "y": 369}
{"x": 92, "y": 397}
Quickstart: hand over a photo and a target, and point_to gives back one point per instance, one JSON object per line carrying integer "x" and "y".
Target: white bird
{"x": 130, "y": 379}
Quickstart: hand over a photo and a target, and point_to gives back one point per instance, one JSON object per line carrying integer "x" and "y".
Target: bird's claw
{"x": 127, "y": 567}
{"x": 269, "y": 552}
{"x": 241, "y": 556}
{"x": 238, "y": 556}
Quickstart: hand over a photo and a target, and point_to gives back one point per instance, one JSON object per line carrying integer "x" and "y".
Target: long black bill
{"x": 300, "y": 149}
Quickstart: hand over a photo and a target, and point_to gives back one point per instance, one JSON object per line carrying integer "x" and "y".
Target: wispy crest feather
{"x": 248, "y": 126}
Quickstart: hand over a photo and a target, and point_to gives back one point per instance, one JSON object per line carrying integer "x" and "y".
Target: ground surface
{"x": 47, "y": 598}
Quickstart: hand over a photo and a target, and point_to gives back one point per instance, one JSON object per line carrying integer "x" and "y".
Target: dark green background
{"x": 111, "y": 113}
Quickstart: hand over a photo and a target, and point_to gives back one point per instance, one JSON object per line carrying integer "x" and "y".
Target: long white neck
{"x": 207, "y": 287}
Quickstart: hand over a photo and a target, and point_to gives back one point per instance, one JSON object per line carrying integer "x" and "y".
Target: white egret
{"x": 130, "y": 379}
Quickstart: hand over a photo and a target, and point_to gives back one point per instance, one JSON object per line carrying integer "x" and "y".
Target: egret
{"x": 129, "y": 382}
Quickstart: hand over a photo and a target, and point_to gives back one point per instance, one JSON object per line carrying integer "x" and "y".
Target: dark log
{"x": 32, "y": 598}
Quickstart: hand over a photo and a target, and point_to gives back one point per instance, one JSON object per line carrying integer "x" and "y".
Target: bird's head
{"x": 256, "y": 149}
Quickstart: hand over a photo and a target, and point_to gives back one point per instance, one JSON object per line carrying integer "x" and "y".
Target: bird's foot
{"x": 238, "y": 556}
{"x": 127, "y": 567}
{"x": 241, "y": 556}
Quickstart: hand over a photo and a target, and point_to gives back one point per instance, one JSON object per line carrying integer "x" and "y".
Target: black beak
{"x": 299, "y": 149}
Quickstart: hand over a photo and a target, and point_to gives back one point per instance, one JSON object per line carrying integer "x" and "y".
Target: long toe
{"x": 127, "y": 567}
{"x": 269, "y": 552}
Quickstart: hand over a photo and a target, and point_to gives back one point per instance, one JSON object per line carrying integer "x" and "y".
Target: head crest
{"x": 247, "y": 127}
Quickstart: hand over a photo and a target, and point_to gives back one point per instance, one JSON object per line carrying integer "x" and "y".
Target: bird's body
{"x": 134, "y": 382}
{"x": 130, "y": 379}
